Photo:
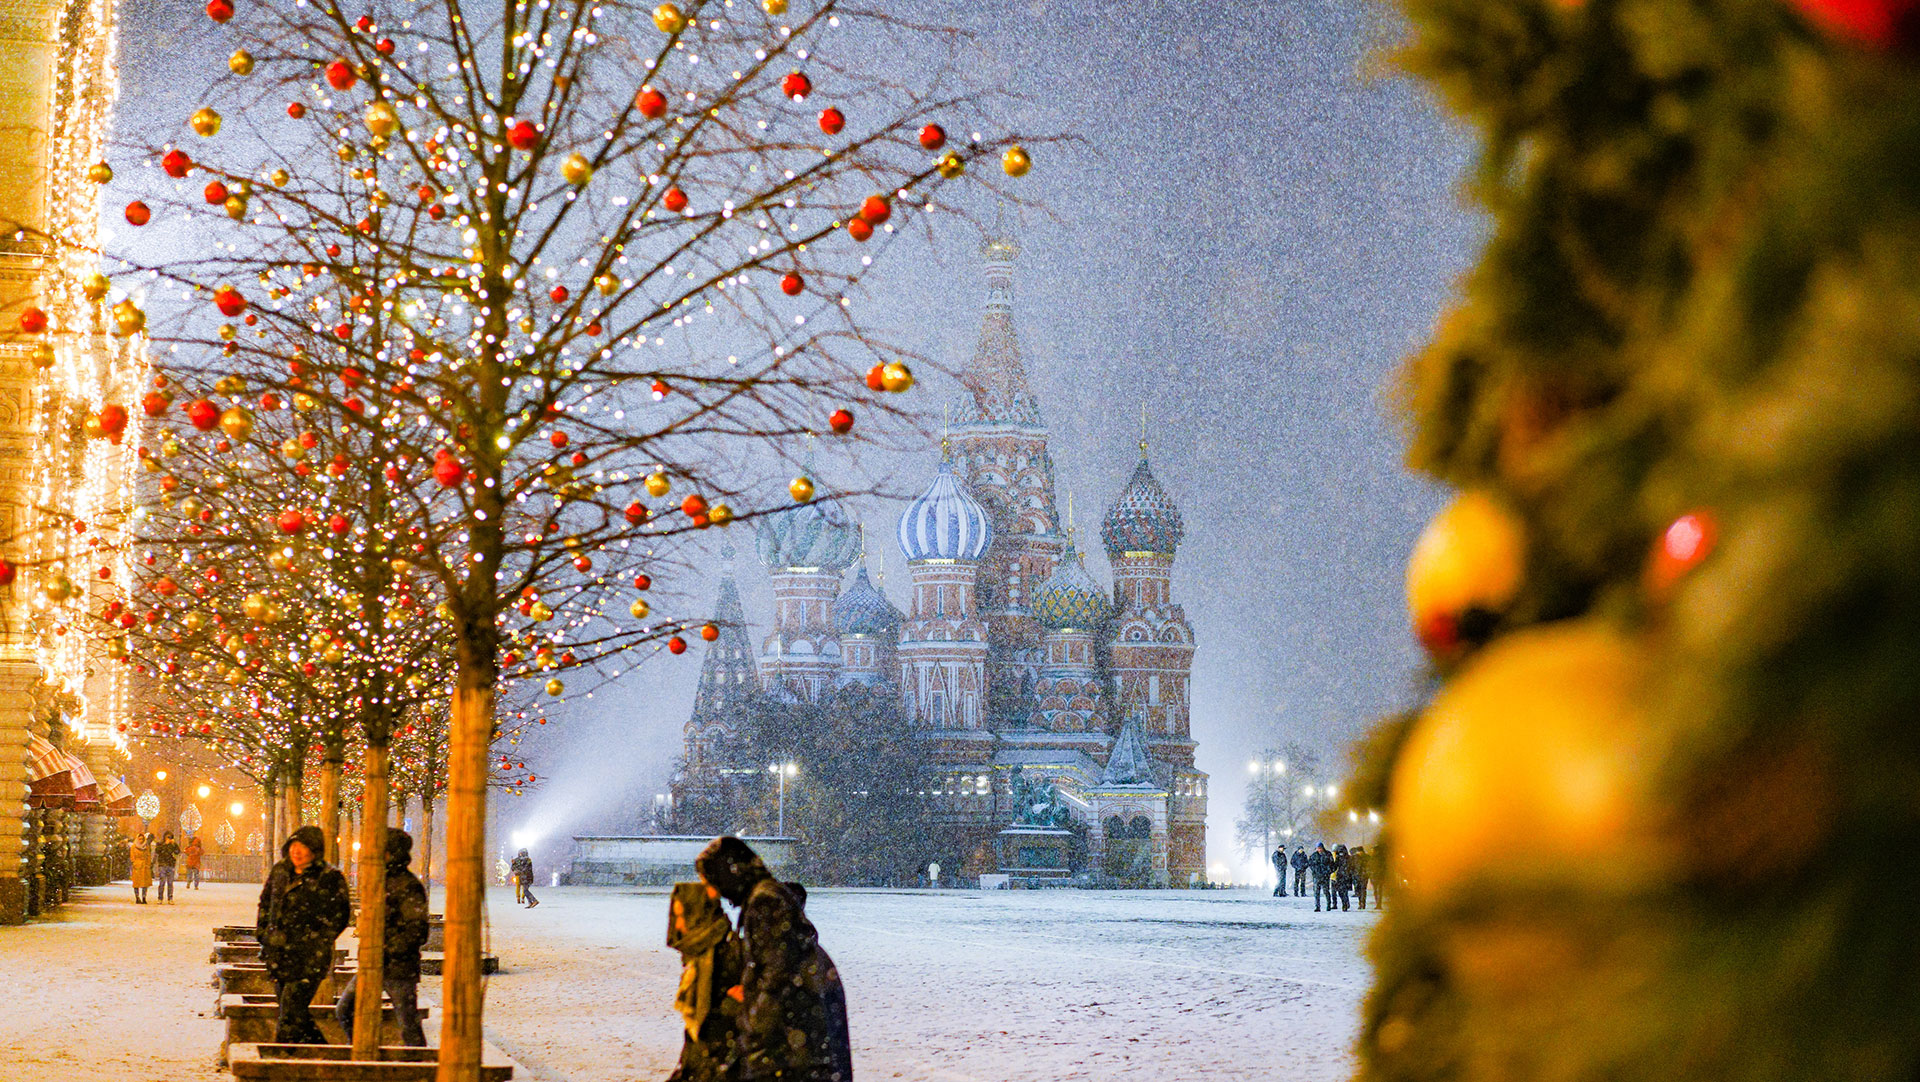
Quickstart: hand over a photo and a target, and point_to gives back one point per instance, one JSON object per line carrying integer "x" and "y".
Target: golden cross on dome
{"x": 1143, "y": 430}
{"x": 946, "y": 422}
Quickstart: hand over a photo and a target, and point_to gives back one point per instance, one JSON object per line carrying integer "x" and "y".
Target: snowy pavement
{"x": 948, "y": 986}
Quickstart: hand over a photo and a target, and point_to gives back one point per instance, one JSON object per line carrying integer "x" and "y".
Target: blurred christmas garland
{"x": 1658, "y": 817}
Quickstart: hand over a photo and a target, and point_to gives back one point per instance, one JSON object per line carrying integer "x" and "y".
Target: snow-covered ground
{"x": 949, "y": 986}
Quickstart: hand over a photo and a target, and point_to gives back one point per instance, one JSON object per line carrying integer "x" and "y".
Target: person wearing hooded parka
{"x": 407, "y": 927}
{"x": 710, "y": 961}
{"x": 303, "y": 908}
{"x": 793, "y": 1010}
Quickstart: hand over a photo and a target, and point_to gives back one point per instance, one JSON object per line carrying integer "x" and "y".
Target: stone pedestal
{"x": 1036, "y": 853}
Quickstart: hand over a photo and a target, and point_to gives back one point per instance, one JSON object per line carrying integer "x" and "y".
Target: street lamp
{"x": 236, "y": 809}
{"x": 205, "y": 791}
{"x": 783, "y": 771}
{"x": 159, "y": 775}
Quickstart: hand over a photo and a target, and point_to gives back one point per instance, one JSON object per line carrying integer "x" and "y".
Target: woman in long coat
{"x": 793, "y": 1010}
{"x": 141, "y": 854}
{"x": 709, "y": 980}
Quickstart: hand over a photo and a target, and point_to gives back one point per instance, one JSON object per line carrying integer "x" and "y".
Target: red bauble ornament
{"x": 933, "y": 137}
{"x": 558, "y": 438}
{"x": 877, "y": 378}
{"x": 636, "y": 514}
{"x": 216, "y": 192}
{"x": 1885, "y": 25}
{"x": 694, "y": 505}
{"x": 860, "y": 229}
{"x": 675, "y": 200}
{"x": 138, "y": 214}
{"x": 709, "y": 632}
{"x": 651, "y": 103}
{"x": 296, "y": 110}
{"x": 354, "y": 405}
{"x": 559, "y": 294}
{"x": 582, "y": 564}
{"x": 523, "y": 136}
{"x": 384, "y": 46}
{"x": 841, "y": 422}
{"x": 340, "y": 75}
{"x": 229, "y": 301}
{"x": 363, "y": 24}
{"x": 791, "y": 284}
{"x": 290, "y": 522}
{"x": 204, "y": 414}
{"x": 796, "y": 85}
{"x": 176, "y": 163}
{"x": 641, "y": 582}
{"x": 448, "y": 471}
{"x": 338, "y": 523}
{"x": 352, "y": 377}
{"x": 219, "y": 10}
{"x": 155, "y": 403}
{"x": 333, "y": 251}
{"x": 113, "y": 421}
{"x": 677, "y": 645}
{"x": 33, "y": 320}
{"x": 875, "y": 210}
{"x": 832, "y": 120}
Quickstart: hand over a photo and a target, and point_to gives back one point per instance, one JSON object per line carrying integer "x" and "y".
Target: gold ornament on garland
{"x": 128, "y": 319}
{"x": 96, "y": 286}
{"x": 100, "y": 173}
{"x": 576, "y": 169}
{"x": 801, "y": 489}
{"x": 1016, "y": 162}
{"x": 658, "y": 484}
{"x": 669, "y": 19}
{"x": 774, "y": 7}
{"x": 240, "y": 63}
{"x": 639, "y": 608}
{"x": 205, "y": 122}
{"x": 382, "y": 118}
{"x": 952, "y": 165}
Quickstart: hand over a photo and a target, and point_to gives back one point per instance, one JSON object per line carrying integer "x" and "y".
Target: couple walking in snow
{"x": 762, "y": 1002}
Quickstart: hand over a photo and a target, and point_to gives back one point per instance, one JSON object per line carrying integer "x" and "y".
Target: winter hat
{"x": 399, "y": 847}
{"x": 732, "y": 867}
{"x": 310, "y": 836}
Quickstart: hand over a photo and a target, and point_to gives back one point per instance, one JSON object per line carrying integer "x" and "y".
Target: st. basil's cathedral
{"x": 1014, "y": 666}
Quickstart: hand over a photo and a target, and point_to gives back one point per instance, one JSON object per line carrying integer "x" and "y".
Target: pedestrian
{"x": 140, "y": 859}
{"x": 1342, "y": 877}
{"x": 710, "y": 972}
{"x": 406, "y": 933}
{"x": 1280, "y": 872}
{"x": 166, "y": 856}
{"x": 1300, "y": 871}
{"x": 1320, "y": 864}
{"x": 195, "y": 853}
{"x": 303, "y": 908}
{"x": 793, "y": 1018}
{"x": 1362, "y": 873}
{"x": 523, "y": 879}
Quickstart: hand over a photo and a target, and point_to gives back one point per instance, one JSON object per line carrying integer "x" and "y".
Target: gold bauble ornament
{"x": 255, "y": 606}
{"x": 100, "y": 173}
{"x": 292, "y": 450}
{"x": 657, "y": 483}
{"x": 952, "y": 165}
{"x": 191, "y": 507}
{"x": 719, "y": 514}
{"x": 236, "y": 206}
{"x": 800, "y": 488}
{"x": 896, "y": 377}
{"x": 540, "y": 611}
{"x": 526, "y": 326}
{"x": 227, "y": 332}
{"x": 382, "y": 118}
{"x": 44, "y": 355}
{"x": 607, "y": 284}
{"x": 240, "y": 63}
{"x": 194, "y": 621}
{"x": 1016, "y": 162}
{"x": 1533, "y": 764}
{"x": 774, "y": 7}
{"x": 1470, "y": 559}
{"x": 576, "y": 169}
{"x": 555, "y": 687}
{"x": 639, "y": 608}
{"x": 333, "y": 654}
{"x": 205, "y": 122}
{"x": 96, "y": 286}
{"x": 279, "y": 560}
{"x": 305, "y": 402}
{"x": 669, "y": 19}
{"x": 128, "y": 318}
{"x": 279, "y": 177}
{"x": 237, "y": 423}
{"x": 444, "y": 611}
{"x": 90, "y": 428}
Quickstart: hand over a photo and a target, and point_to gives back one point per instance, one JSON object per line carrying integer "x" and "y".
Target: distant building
{"x": 1009, "y": 655}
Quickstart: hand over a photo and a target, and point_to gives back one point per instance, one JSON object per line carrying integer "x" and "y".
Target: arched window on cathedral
{"x": 1116, "y": 827}
{"x": 1141, "y": 827}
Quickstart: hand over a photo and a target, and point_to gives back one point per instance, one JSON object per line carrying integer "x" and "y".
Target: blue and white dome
{"x": 863, "y": 610}
{"x": 945, "y": 523}
{"x": 1070, "y": 599}
{"x": 807, "y": 535}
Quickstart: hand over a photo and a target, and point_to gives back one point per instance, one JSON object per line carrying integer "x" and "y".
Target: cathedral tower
{"x": 805, "y": 548}
{"x": 727, "y": 681}
{"x": 943, "y": 644}
{"x": 869, "y": 628}
{"x": 1073, "y": 609}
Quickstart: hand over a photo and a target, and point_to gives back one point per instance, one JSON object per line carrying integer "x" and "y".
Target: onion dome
{"x": 945, "y": 523}
{"x": 996, "y": 379}
{"x": 1143, "y": 519}
{"x": 1070, "y": 599}
{"x": 861, "y": 609}
{"x": 807, "y": 535}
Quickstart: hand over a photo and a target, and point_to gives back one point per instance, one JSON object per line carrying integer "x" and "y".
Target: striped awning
{"x": 86, "y": 790}
{"x": 49, "y": 774}
{"x": 115, "y": 797}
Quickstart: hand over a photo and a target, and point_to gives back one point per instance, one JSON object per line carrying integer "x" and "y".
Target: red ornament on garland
{"x": 676, "y": 645}
{"x": 709, "y": 632}
{"x": 138, "y": 214}
{"x": 1886, "y": 25}
{"x": 933, "y": 137}
{"x": 155, "y": 403}
{"x": 877, "y": 378}
{"x": 216, "y": 192}
{"x": 558, "y": 438}
{"x": 176, "y": 163}
{"x": 363, "y": 24}
{"x": 841, "y": 422}
{"x": 384, "y": 46}
{"x": 637, "y": 514}
{"x": 1682, "y": 546}
{"x": 642, "y": 581}
{"x": 675, "y": 200}
{"x": 523, "y": 136}
{"x": 219, "y": 10}
{"x": 791, "y": 284}
{"x": 651, "y": 103}
{"x": 113, "y": 422}
{"x": 204, "y": 415}
{"x": 559, "y": 294}
{"x": 832, "y": 120}
{"x": 341, "y": 76}
{"x": 229, "y": 301}
{"x": 860, "y": 229}
{"x": 33, "y": 321}
{"x": 796, "y": 85}
{"x": 694, "y": 506}
{"x": 338, "y": 523}
{"x": 448, "y": 471}
{"x": 291, "y": 522}
{"x": 296, "y": 110}
{"x": 875, "y": 210}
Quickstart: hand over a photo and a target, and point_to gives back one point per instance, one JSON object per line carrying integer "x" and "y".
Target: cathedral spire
{"x": 996, "y": 379}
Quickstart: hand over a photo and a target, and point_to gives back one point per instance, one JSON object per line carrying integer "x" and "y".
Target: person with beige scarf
{"x": 708, "y": 1000}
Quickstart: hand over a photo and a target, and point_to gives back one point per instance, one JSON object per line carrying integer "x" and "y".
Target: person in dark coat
{"x": 1320, "y": 864}
{"x": 1342, "y": 877}
{"x": 406, "y": 934}
{"x": 1280, "y": 871}
{"x": 166, "y": 858}
{"x": 793, "y": 1010}
{"x": 1300, "y": 871}
{"x": 522, "y": 867}
{"x": 710, "y": 972}
{"x": 303, "y": 908}
{"x": 1362, "y": 873}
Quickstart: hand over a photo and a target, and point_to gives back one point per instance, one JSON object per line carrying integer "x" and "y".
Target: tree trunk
{"x": 291, "y": 811}
{"x": 426, "y": 837}
{"x": 462, "y": 990}
{"x": 330, "y": 769}
{"x": 373, "y": 907}
{"x": 270, "y": 815}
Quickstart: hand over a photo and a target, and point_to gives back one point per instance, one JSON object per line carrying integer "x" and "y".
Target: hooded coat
{"x": 406, "y": 911}
{"x": 710, "y": 964}
{"x": 1321, "y": 865}
{"x": 302, "y": 913}
{"x": 793, "y": 1021}
{"x": 141, "y": 857}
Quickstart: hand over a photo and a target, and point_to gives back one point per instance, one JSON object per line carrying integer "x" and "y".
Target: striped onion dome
{"x": 945, "y": 523}
{"x": 807, "y": 535}
{"x": 1144, "y": 518}
{"x": 1070, "y": 598}
{"x": 861, "y": 609}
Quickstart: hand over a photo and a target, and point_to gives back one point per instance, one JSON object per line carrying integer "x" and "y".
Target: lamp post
{"x": 783, "y": 771}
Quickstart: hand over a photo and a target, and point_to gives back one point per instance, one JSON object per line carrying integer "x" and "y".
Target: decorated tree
{"x": 1648, "y": 822}
{"x": 563, "y": 271}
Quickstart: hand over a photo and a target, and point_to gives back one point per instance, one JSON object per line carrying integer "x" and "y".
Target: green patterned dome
{"x": 1070, "y": 599}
